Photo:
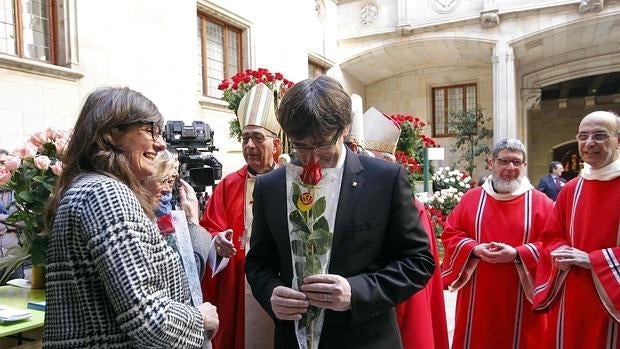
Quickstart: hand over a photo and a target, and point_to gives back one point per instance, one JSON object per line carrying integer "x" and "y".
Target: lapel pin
{"x": 354, "y": 184}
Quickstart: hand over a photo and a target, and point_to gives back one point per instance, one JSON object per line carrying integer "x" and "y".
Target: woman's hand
{"x": 209, "y": 317}
{"x": 188, "y": 201}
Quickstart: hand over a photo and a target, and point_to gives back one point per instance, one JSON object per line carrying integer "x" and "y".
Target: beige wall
{"x": 410, "y": 94}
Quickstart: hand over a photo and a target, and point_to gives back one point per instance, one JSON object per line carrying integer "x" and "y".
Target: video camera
{"x": 193, "y": 143}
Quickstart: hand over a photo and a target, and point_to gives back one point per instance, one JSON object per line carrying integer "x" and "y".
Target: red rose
{"x": 311, "y": 173}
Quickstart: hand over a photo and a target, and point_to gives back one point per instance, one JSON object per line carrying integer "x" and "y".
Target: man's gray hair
{"x": 511, "y": 144}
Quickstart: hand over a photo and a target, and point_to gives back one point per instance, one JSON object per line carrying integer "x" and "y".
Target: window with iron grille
{"x": 220, "y": 48}
{"x": 449, "y": 99}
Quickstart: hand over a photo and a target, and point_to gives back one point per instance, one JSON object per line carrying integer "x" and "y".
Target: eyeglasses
{"x": 506, "y": 162}
{"x": 148, "y": 126}
{"x": 596, "y": 137}
{"x": 257, "y": 138}
{"x": 321, "y": 148}
{"x": 153, "y": 128}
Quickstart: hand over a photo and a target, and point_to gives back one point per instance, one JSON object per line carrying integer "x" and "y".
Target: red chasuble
{"x": 226, "y": 290}
{"x": 492, "y": 307}
{"x": 422, "y": 317}
{"x": 584, "y": 304}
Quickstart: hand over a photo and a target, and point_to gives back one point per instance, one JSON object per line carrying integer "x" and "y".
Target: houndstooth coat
{"x": 112, "y": 281}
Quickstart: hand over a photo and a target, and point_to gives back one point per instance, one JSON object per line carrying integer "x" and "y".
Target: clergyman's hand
{"x": 288, "y": 304}
{"x": 566, "y": 256}
{"x": 500, "y": 252}
{"x": 223, "y": 244}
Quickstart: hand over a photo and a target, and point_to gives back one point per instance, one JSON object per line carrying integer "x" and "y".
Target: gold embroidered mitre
{"x": 381, "y": 132}
{"x": 257, "y": 108}
{"x": 356, "y": 135}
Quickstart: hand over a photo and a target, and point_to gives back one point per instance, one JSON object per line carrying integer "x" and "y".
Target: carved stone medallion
{"x": 369, "y": 13}
{"x": 443, "y": 6}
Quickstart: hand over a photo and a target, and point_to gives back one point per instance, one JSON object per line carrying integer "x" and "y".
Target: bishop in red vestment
{"x": 228, "y": 217}
{"x": 578, "y": 278}
{"x": 491, "y": 250}
{"x": 422, "y": 317}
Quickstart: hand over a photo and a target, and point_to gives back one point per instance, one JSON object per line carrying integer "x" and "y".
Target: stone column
{"x": 403, "y": 14}
{"x": 504, "y": 97}
{"x": 530, "y": 99}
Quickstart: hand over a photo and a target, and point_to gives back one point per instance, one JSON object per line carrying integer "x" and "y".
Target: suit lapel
{"x": 279, "y": 195}
{"x": 350, "y": 189}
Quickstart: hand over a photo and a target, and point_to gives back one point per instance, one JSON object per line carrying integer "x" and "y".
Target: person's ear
{"x": 353, "y": 147}
{"x": 277, "y": 145}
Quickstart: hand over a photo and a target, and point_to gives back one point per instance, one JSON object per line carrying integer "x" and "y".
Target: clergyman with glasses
{"x": 368, "y": 229}
{"x": 578, "y": 278}
{"x": 491, "y": 242}
{"x": 228, "y": 217}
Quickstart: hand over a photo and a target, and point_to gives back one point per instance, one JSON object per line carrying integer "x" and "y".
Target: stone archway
{"x": 568, "y": 155}
{"x": 583, "y": 50}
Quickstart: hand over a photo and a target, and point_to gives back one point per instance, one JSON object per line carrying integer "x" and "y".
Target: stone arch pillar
{"x": 504, "y": 98}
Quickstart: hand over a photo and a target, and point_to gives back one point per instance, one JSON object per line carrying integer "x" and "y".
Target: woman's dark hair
{"x": 315, "y": 107}
{"x": 92, "y": 147}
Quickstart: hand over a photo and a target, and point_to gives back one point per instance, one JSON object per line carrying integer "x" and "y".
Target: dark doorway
{"x": 568, "y": 155}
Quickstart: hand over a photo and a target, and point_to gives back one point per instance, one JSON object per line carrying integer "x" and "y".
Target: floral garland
{"x": 311, "y": 241}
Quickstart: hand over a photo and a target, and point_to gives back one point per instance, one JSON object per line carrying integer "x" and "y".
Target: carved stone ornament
{"x": 489, "y": 19}
{"x": 319, "y": 8}
{"x": 591, "y": 6}
{"x": 531, "y": 97}
{"x": 369, "y": 13}
{"x": 443, "y": 6}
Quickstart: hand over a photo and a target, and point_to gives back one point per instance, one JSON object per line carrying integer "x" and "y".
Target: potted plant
{"x": 472, "y": 136}
{"x": 410, "y": 148}
{"x": 31, "y": 173}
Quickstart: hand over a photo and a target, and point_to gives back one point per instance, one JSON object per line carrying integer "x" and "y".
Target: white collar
{"x": 606, "y": 173}
{"x": 524, "y": 187}
{"x": 341, "y": 157}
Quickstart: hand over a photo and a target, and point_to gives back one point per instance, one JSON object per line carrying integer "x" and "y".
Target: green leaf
{"x": 38, "y": 249}
{"x": 10, "y": 262}
{"x": 38, "y": 179}
{"x": 318, "y": 208}
{"x": 313, "y": 265}
{"x": 49, "y": 187}
{"x": 27, "y": 196}
{"x": 296, "y": 218}
{"x": 321, "y": 223}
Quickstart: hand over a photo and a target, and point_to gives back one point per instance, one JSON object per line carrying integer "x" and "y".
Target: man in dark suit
{"x": 552, "y": 183}
{"x": 379, "y": 255}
